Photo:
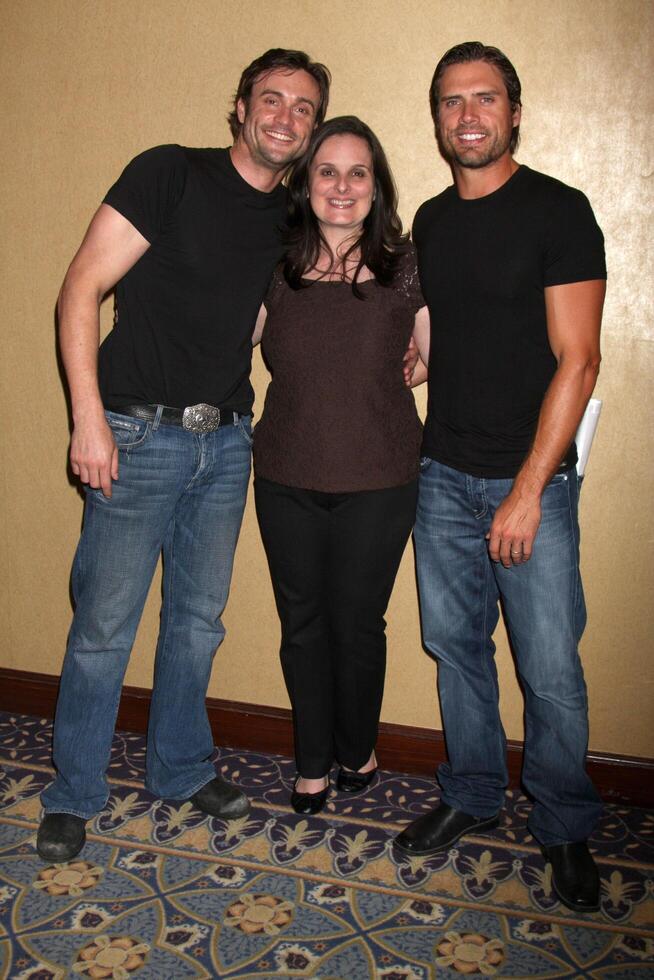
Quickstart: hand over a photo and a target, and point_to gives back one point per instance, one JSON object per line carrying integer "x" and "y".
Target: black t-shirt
{"x": 484, "y": 265}
{"x": 184, "y": 313}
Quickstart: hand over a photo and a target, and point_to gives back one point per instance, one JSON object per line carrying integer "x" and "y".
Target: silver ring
{"x": 514, "y": 553}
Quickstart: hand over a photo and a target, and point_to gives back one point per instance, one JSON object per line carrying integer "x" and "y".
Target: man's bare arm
{"x": 416, "y": 356}
{"x": 574, "y": 316}
{"x": 111, "y": 246}
{"x": 421, "y": 337}
{"x": 259, "y": 325}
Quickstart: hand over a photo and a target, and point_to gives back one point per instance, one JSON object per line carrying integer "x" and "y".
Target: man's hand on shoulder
{"x": 93, "y": 454}
{"x": 514, "y": 527}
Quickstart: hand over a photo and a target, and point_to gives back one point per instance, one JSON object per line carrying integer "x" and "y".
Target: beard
{"x": 273, "y": 157}
{"x": 477, "y": 157}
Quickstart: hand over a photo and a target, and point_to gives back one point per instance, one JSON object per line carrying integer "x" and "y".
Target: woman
{"x": 336, "y": 451}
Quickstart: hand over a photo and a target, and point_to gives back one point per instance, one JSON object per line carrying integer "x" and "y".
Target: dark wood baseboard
{"x": 620, "y": 779}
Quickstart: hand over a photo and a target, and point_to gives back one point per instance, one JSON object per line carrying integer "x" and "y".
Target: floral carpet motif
{"x": 161, "y": 891}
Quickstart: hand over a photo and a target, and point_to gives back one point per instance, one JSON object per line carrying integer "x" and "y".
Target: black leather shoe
{"x": 308, "y": 802}
{"x": 575, "y": 877}
{"x": 439, "y": 829}
{"x": 354, "y": 782}
{"x": 61, "y": 837}
{"x": 219, "y": 798}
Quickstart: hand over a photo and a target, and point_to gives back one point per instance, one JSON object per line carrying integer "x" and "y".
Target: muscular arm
{"x": 110, "y": 248}
{"x": 574, "y": 315}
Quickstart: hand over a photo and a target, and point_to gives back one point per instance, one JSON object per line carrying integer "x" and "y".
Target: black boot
{"x": 61, "y": 837}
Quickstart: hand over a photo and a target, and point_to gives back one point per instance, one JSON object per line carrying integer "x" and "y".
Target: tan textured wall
{"x": 86, "y": 85}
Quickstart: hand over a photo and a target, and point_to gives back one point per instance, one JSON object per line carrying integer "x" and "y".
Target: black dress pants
{"x": 333, "y": 559}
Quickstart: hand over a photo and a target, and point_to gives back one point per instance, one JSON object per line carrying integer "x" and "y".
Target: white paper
{"x": 586, "y": 433}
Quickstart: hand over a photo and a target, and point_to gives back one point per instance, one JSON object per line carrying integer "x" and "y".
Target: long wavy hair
{"x": 382, "y": 242}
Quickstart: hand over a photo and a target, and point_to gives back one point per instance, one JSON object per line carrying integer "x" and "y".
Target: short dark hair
{"x": 476, "y": 51}
{"x": 382, "y": 242}
{"x": 273, "y": 60}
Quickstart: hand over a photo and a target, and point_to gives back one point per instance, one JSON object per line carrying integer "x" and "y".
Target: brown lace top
{"x": 338, "y": 416}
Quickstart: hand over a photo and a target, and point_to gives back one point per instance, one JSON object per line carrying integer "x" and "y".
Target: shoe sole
{"x": 470, "y": 832}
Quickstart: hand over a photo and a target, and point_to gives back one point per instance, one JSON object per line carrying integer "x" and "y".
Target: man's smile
{"x": 471, "y": 137}
{"x": 277, "y": 135}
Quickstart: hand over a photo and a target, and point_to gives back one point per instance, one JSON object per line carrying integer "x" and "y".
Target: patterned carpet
{"x": 162, "y": 892}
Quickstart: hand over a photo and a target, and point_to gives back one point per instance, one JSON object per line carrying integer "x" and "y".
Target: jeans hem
{"x": 556, "y": 841}
{"x": 472, "y": 811}
{"x": 185, "y": 795}
{"x": 73, "y": 813}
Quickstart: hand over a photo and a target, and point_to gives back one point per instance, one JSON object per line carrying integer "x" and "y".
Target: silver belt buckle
{"x": 201, "y": 418}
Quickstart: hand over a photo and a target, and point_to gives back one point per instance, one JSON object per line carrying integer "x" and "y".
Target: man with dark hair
{"x": 462, "y": 54}
{"x": 161, "y": 434}
{"x": 512, "y": 269}
{"x": 278, "y": 58}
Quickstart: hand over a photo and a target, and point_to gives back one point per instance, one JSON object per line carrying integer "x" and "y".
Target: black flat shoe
{"x": 61, "y": 837}
{"x": 575, "y": 878}
{"x": 308, "y": 802}
{"x": 354, "y": 782}
{"x": 220, "y": 799}
{"x": 439, "y": 829}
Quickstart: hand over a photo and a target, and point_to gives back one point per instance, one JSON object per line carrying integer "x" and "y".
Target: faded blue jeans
{"x": 177, "y": 492}
{"x": 543, "y": 604}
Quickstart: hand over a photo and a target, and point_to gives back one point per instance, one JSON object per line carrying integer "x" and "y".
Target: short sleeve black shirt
{"x": 184, "y": 313}
{"x": 484, "y": 265}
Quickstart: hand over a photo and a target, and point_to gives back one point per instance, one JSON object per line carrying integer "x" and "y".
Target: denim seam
{"x": 186, "y": 794}
{"x": 487, "y": 578}
{"x": 127, "y": 446}
{"x": 575, "y": 556}
{"x": 166, "y": 605}
{"x": 242, "y": 430}
{"x": 76, "y": 813}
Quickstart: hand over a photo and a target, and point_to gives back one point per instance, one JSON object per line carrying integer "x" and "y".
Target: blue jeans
{"x": 177, "y": 492}
{"x": 543, "y": 604}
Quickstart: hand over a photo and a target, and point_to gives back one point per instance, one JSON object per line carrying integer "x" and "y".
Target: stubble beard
{"x": 263, "y": 158}
{"x": 474, "y": 159}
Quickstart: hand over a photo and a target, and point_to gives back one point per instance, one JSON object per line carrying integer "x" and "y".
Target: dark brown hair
{"x": 476, "y": 51}
{"x": 274, "y": 60}
{"x": 382, "y": 241}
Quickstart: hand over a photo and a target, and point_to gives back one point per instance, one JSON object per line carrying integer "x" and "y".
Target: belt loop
{"x": 157, "y": 418}
{"x": 236, "y": 417}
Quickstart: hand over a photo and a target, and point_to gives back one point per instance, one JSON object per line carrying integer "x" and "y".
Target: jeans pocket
{"x": 128, "y": 432}
{"x": 245, "y": 428}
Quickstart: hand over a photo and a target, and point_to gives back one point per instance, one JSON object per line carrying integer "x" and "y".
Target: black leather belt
{"x": 193, "y": 418}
